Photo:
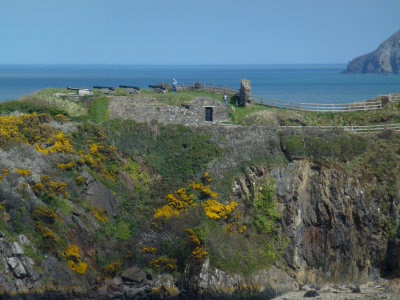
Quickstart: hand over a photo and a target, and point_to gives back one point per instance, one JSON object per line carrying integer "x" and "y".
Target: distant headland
{"x": 385, "y": 59}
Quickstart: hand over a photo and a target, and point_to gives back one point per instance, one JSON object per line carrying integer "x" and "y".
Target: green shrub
{"x": 98, "y": 110}
{"x": 330, "y": 145}
{"x": 265, "y": 213}
{"x": 26, "y": 107}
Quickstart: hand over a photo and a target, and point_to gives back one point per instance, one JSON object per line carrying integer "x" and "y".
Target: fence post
{"x": 204, "y": 85}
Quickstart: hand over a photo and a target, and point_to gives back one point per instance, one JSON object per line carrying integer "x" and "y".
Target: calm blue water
{"x": 302, "y": 83}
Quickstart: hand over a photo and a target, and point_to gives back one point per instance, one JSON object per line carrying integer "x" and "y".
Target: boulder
{"x": 17, "y": 267}
{"x": 16, "y": 249}
{"x": 134, "y": 275}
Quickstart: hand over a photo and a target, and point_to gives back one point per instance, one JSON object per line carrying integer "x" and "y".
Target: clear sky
{"x": 193, "y": 32}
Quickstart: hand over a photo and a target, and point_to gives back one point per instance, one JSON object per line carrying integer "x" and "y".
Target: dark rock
{"x": 99, "y": 195}
{"x": 385, "y": 59}
{"x": 355, "y": 289}
{"x": 392, "y": 261}
{"x": 311, "y": 294}
{"x": 134, "y": 275}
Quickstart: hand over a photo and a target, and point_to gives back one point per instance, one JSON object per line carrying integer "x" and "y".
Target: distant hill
{"x": 385, "y": 59}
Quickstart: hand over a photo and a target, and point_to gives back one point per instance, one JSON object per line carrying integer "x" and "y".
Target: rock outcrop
{"x": 336, "y": 233}
{"x": 385, "y": 59}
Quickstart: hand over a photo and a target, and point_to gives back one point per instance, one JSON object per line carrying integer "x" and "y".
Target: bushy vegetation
{"x": 331, "y": 145}
{"x": 175, "y": 152}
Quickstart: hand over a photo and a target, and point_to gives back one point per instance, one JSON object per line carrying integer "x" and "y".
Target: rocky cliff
{"x": 149, "y": 210}
{"x": 385, "y": 59}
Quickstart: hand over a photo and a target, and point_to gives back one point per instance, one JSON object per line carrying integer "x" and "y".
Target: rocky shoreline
{"x": 380, "y": 289}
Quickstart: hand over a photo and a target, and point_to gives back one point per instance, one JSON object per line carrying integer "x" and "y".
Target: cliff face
{"x": 385, "y": 59}
{"x": 130, "y": 209}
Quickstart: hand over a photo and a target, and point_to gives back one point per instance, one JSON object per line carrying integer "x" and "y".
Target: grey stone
{"x": 134, "y": 274}
{"x": 16, "y": 249}
{"x": 17, "y": 267}
{"x": 99, "y": 195}
{"x": 117, "y": 280}
{"x": 23, "y": 239}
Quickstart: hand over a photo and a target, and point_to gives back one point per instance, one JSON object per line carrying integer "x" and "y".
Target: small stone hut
{"x": 208, "y": 109}
{"x": 199, "y": 110}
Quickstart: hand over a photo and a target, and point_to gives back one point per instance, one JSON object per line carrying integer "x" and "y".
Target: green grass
{"x": 179, "y": 98}
{"x": 257, "y": 114}
{"x": 98, "y": 110}
{"x": 46, "y": 98}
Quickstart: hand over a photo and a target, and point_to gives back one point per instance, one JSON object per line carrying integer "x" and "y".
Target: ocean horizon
{"x": 317, "y": 83}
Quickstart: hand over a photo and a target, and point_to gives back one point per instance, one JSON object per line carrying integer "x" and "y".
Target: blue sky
{"x": 193, "y": 32}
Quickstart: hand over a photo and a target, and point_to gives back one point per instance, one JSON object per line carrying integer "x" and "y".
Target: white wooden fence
{"x": 394, "y": 97}
{"x": 317, "y": 107}
{"x": 355, "y": 128}
{"x": 321, "y": 107}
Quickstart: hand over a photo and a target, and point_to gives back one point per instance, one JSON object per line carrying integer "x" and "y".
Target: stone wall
{"x": 145, "y": 109}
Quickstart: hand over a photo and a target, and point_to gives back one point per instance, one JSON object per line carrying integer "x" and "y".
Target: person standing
{"x": 174, "y": 84}
{"x": 225, "y": 98}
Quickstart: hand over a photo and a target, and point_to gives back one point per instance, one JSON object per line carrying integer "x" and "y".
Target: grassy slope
{"x": 173, "y": 155}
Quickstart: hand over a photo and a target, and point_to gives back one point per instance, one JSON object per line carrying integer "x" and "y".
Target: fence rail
{"x": 317, "y": 107}
{"x": 320, "y": 107}
{"x": 354, "y": 129}
{"x": 394, "y": 97}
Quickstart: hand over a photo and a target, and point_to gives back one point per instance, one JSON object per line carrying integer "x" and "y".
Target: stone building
{"x": 199, "y": 110}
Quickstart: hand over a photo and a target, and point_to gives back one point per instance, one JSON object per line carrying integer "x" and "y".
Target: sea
{"x": 298, "y": 83}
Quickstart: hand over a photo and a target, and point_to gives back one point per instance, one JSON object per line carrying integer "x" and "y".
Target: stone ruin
{"x": 245, "y": 92}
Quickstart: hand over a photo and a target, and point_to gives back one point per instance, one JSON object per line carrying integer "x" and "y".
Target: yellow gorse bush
{"x": 99, "y": 213}
{"x": 216, "y": 210}
{"x": 163, "y": 264}
{"x": 205, "y": 190}
{"x": 74, "y": 261}
{"x": 111, "y": 269}
{"x": 145, "y": 250}
{"x": 50, "y": 187}
{"x": 178, "y": 202}
{"x": 31, "y": 129}
{"x": 58, "y": 142}
{"x": 23, "y": 172}
{"x": 67, "y": 166}
{"x": 198, "y": 252}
